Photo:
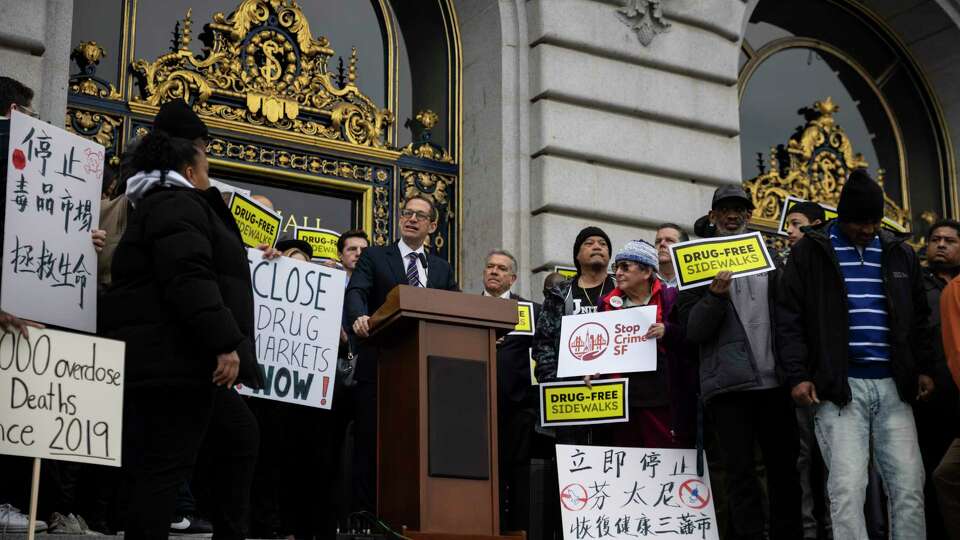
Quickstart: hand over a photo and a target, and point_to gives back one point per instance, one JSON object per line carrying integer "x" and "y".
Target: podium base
{"x": 416, "y": 535}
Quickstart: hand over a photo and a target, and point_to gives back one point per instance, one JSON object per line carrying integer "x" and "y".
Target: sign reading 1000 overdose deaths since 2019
{"x": 52, "y": 206}
{"x": 61, "y": 396}
{"x": 621, "y": 493}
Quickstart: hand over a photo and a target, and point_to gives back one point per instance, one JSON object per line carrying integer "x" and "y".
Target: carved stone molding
{"x": 645, "y": 18}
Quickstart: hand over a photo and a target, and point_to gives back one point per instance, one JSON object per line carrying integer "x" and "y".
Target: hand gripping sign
{"x": 697, "y": 262}
{"x": 608, "y": 342}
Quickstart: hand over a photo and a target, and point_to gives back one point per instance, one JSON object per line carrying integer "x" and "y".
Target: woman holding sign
{"x": 182, "y": 301}
{"x": 637, "y": 285}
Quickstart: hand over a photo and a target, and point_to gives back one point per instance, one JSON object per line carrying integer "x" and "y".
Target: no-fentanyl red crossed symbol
{"x": 695, "y": 494}
{"x": 574, "y": 497}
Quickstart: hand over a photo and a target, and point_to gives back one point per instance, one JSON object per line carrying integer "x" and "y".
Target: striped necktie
{"x": 413, "y": 276}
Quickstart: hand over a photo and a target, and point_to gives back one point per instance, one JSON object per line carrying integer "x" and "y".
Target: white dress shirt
{"x": 406, "y": 250}
{"x": 504, "y": 295}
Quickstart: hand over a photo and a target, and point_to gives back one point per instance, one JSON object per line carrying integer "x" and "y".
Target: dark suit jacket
{"x": 513, "y": 364}
{"x": 378, "y": 271}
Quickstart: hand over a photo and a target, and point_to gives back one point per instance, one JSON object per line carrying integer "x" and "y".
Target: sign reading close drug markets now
{"x": 699, "y": 261}
{"x": 258, "y": 224}
{"x": 571, "y": 403}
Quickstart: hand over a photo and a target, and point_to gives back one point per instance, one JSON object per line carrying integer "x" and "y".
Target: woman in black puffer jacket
{"x": 181, "y": 300}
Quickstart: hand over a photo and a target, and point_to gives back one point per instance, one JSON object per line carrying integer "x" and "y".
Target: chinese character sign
{"x": 53, "y": 204}
{"x": 610, "y": 492}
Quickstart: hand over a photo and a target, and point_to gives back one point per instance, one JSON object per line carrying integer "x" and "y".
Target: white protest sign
{"x": 224, "y": 187}
{"x": 610, "y": 492}
{"x": 53, "y": 203}
{"x": 298, "y": 308}
{"x": 61, "y": 396}
{"x": 608, "y": 342}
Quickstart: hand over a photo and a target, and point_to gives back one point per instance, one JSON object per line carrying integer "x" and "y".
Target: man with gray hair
{"x": 516, "y": 398}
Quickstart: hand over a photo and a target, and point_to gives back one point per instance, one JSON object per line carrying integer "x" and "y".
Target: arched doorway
{"x": 336, "y": 110}
{"x": 794, "y": 56}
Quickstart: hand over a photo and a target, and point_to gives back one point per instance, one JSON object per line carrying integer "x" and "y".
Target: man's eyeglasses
{"x": 409, "y": 214}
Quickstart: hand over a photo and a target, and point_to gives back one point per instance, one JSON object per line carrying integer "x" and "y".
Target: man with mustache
{"x": 732, "y": 323}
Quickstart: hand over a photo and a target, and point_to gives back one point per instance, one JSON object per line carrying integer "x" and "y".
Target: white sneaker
{"x": 14, "y": 521}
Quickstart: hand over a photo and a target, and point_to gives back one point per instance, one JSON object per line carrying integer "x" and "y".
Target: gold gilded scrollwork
{"x": 285, "y": 159}
{"x": 381, "y": 216}
{"x": 433, "y": 186}
{"x": 813, "y": 166}
{"x": 261, "y": 65}
{"x": 87, "y": 56}
{"x": 423, "y": 148}
{"x": 96, "y": 126}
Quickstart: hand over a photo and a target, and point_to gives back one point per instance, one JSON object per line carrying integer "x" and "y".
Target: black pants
{"x": 764, "y": 417}
{"x": 294, "y": 480}
{"x": 515, "y": 439}
{"x": 365, "y": 447}
{"x": 164, "y": 430}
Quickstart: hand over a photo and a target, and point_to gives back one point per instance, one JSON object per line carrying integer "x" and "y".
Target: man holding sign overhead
{"x": 731, "y": 322}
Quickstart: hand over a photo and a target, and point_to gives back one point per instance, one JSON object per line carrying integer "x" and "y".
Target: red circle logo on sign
{"x": 695, "y": 494}
{"x": 574, "y": 497}
{"x": 588, "y": 341}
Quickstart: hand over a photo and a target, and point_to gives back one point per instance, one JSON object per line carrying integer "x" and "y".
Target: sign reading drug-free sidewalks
{"x": 572, "y": 403}
{"x": 61, "y": 396}
{"x": 697, "y": 262}
{"x": 258, "y": 224}
{"x": 607, "y": 342}
{"x": 322, "y": 241}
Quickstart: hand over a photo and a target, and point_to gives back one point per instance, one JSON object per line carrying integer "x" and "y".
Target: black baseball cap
{"x": 733, "y": 191}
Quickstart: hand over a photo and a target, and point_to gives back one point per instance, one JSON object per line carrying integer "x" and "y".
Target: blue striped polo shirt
{"x": 869, "y": 345}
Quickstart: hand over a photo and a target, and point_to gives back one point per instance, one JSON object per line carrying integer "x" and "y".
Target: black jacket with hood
{"x": 812, "y": 316}
{"x": 181, "y": 291}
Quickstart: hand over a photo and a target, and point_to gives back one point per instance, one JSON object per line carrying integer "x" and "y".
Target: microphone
{"x": 423, "y": 260}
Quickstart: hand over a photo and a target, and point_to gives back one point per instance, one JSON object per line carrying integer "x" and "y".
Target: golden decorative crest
{"x": 261, "y": 65}
{"x": 87, "y": 56}
{"x": 813, "y": 166}
{"x": 424, "y": 148}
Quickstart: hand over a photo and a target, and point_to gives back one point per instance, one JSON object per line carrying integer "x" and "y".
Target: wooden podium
{"x": 437, "y": 412}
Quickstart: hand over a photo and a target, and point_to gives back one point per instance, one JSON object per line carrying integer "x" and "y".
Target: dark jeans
{"x": 164, "y": 430}
{"x": 764, "y": 417}
{"x": 515, "y": 440}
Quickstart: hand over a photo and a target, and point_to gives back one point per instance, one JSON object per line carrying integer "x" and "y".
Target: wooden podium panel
{"x": 414, "y": 328}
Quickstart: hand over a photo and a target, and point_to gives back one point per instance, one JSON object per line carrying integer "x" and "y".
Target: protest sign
{"x": 573, "y": 403}
{"x": 607, "y": 342}
{"x": 791, "y": 201}
{"x": 698, "y": 261}
{"x": 566, "y": 271}
{"x": 224, "y": 187}
{"x": 61, "y": 396}
{"x": 53, "y": 204}
{"x": 323, "y": 242}
{"x": 258, "y": 224}
{"x": 526, "y": 326}
{"x": 610, "y": 492}
{"x": 297, "y": 307}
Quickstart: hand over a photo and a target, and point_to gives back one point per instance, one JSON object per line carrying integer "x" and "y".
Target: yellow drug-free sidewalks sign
{"x": 323, "y": 242}
{"x": 697, "y": 262}
{"x": 258, "y": 224}
{"x": 830, "y": 213}
{"x": 525, "y": 323}
{"x": 566, "y": 271}
{"x": 574, "y": 403}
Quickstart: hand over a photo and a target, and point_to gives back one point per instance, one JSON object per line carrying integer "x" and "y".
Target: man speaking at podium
{"x": 378, "y": 271}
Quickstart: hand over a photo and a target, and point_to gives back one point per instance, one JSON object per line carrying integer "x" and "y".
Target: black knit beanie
{"x": 861, "y": 200}
{"x": 178, "y": 120}
{"x": 582, "y": 237}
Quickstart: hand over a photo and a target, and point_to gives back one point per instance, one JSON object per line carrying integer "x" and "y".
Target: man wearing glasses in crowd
{"x": 378, "y": 271}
